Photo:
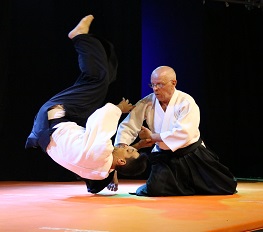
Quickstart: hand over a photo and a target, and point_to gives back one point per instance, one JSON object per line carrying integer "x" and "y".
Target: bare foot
{"x": 82, "y": 27}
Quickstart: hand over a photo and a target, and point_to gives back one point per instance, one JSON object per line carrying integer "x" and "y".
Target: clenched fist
{"x": 145, "y": 133}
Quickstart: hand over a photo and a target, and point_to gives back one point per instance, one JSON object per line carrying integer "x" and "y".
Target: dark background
{"x": 215, "y": 49}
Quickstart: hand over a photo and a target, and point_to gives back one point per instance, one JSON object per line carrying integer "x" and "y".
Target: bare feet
{"x": 82, "y": 27}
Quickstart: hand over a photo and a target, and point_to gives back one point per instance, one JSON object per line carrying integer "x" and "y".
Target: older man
{"x": 181, "y": 164}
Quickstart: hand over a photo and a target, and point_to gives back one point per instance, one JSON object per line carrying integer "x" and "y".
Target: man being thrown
{"x": 72, "y": 128}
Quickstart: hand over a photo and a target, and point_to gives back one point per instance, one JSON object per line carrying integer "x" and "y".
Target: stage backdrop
{"x": 215, "y": 50}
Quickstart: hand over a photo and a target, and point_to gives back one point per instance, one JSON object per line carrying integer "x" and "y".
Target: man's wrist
{"x": 120, "y": 107}
{"x": 136, "y": 146}
{"x": 155, "y": 137}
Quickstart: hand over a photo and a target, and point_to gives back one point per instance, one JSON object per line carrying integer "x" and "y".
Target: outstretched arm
{"x": 143, "y": 143}
{"x": 113, "y": 186}
{"x": 145, "y": 139}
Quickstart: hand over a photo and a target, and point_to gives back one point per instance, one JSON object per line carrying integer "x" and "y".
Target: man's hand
{"x": 113, "y": 186}
{"x": 145, "y": 133}
{"x": 143, "y": 143}
{"x": 125, "y": 106}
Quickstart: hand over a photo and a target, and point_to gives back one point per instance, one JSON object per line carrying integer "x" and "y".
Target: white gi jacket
{"x": 178, "y": 126}
{"x": 86, "y": 151}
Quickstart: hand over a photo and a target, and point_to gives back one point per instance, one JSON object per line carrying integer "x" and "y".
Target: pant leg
{"x": 96, "y": 57}
{"x": 98, "y": 65}
{"x": 89, "y": 91}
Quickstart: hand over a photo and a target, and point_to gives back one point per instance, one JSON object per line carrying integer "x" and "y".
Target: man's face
{"x": 126, "y": 152}
{"x": 163, "y": 87}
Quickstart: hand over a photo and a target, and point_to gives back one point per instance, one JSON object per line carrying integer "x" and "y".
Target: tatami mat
{"x": 67, "y": 207}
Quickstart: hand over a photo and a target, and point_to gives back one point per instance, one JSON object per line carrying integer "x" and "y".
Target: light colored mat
{"x": 67, "y": 207}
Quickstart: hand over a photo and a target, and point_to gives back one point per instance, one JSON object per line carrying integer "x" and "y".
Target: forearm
{"x": 129, "y": 128}
{"x": 137, "y": 146}
{"x": 143, "y": 143}
{"x": 115, "y": 177}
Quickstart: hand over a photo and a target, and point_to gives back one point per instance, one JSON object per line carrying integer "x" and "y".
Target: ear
{"x": 121, "y": 161}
